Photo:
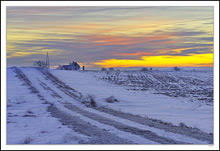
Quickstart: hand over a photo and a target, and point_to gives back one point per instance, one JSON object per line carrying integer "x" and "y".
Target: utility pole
{"x": 47, "y": 62}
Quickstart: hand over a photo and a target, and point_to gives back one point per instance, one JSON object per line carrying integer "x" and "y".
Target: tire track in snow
{"x": 168, "y": 127}
{"x": 170, "y": 140}
{"x": 182, "y": 130}
{"x": 97, "y": 135}
{"x": 129, "y": 129}
{"x": 144, "y": 133}
{"x": 172, "y": 136}
{"x": 118, "y": 137}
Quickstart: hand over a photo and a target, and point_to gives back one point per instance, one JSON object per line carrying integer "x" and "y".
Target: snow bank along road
{"x": 101, "y": 125}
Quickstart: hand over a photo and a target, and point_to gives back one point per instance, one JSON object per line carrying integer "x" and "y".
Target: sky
{"x": 117, "y": 37}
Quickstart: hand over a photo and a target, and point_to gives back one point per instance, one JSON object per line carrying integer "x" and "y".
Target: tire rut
{"x": 168, "y": 127}
{"x": 97, "y": 135}
{"x": 144, "y": 133}
{"x": 182, "y": 129}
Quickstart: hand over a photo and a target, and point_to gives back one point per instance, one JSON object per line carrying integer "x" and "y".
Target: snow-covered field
{"x": 103, "y": 107}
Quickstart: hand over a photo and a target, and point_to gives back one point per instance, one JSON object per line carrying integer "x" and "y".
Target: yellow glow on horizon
{"x": 194, "y": 60}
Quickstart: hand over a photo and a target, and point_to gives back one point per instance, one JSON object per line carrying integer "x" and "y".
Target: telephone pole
{"x": 47, "y": 62}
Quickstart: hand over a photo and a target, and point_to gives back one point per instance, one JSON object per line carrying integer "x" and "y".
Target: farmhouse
{"x": 71, "y": 66}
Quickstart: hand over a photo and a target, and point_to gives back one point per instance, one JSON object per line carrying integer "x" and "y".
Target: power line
{"x": 47, "y": 62}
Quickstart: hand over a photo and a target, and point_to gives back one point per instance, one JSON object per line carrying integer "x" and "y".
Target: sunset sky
{"x": 116, "y": 36}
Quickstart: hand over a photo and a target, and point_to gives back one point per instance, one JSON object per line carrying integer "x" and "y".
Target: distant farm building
{"x": 71, "y": 66}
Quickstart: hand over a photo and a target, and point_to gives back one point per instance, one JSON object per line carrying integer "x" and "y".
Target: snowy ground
{"x": 28, "y": 120}
{"x": 70, "y": 107}
{"x": 188, "y": 110}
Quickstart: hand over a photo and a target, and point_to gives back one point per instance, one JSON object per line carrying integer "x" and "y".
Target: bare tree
{"x": 40, "y": 64}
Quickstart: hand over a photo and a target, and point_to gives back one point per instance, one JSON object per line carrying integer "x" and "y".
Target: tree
{"x": 176, "y": 69}
{"x": 40, "y": 64}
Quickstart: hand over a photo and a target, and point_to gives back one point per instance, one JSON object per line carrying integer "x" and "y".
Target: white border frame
{"x": 109, "y": 3}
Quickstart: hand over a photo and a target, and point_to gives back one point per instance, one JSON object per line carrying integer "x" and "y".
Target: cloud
{"x": 92, "y": 34}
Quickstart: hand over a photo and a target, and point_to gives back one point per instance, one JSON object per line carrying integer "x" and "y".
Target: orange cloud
{"x": 133, "y": 54}
{"x": 125, "y": 40}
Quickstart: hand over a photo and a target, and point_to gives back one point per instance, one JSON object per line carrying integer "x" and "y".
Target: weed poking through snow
{"x": 111, "y": 99}
{"x": 28, "y": 140}
{"x": 89, "y": 101}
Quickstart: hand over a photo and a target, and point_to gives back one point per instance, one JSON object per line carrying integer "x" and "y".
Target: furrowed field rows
{"x": 173, "y": 84}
